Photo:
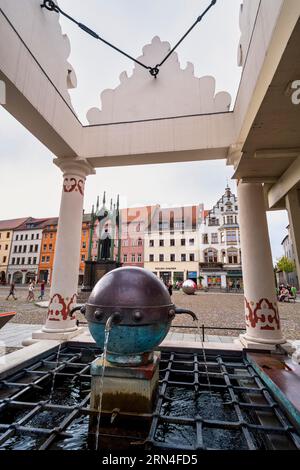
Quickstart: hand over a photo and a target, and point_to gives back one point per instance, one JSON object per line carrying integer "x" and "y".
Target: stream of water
{"x": 107, "y": 329}
{"x": 204, "y": 357}
{"x": 54, "y": 373}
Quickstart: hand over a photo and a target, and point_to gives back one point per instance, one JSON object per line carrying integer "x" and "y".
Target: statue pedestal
{"x": 95, "y": 270}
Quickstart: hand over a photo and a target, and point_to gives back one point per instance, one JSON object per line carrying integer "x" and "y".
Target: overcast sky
{"x": 30, "y": 184}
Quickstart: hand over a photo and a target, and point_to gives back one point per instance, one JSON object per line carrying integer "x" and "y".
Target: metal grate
{"x": 231, "y": 409}
{"x": 229, "y": 406}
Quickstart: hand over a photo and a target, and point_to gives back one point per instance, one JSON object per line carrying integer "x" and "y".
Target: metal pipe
{"x": 181, "y": 311}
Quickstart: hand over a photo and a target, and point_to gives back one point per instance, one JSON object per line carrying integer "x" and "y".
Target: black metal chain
{"x": 154, "y": 71}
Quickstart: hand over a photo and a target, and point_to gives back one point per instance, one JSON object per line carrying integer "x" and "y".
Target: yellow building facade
{"x": 6, "y": 236}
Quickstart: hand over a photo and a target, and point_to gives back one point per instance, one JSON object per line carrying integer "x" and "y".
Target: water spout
{"x": 181, "y": 311}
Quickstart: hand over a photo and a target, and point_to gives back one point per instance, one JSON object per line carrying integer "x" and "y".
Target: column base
{"x": 252, "y": 343}
{"x": 62, "y": 335}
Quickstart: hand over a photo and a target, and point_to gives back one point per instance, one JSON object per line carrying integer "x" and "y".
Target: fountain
{"x": 139, "y": 311}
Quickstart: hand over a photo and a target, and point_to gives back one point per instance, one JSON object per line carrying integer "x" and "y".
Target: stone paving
{"x": 212, "y": 309}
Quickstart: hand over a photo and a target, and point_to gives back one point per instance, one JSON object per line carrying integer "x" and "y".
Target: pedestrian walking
{"x": 42, "y": 292}
{"x": 12, "y": 291}
{"x": 30, "y": 292}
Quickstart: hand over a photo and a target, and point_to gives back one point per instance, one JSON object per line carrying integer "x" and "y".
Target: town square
{"x": 150, "y": 227}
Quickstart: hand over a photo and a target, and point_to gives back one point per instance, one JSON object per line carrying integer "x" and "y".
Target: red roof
{"x": 38, "y": 223}
{"x": 12, "y": 223}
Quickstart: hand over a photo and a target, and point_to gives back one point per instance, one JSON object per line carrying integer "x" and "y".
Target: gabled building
{"x": 25, "y": 251}
{"x": 7, "y": 228}
{"x": 134, "y": 222}
{"x": 48, "y": 248}
{"x": 219, "y": 244}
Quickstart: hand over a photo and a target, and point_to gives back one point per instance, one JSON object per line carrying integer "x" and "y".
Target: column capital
{"x": 74, "y": 166}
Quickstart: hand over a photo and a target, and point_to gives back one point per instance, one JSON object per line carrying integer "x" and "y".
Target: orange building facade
{"x": 48, "y": 249}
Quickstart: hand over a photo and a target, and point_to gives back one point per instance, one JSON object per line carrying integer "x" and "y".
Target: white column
{"x": 64, "y": 279}
{"x": 261, "y": 309}
{"x": 293, "y": 207}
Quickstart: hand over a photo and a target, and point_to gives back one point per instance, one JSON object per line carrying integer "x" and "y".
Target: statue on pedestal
{"x": 108, "y": 231}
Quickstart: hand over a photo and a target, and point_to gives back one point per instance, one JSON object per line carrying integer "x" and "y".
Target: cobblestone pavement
{"x": 212, "y": 309}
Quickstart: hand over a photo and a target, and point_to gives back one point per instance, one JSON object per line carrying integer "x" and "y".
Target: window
{"x": 133, "y": 258}
{"x": 82, "y": 258}
{"x": 210, "y": 256}
{"x": 192, "y": 257}
{"x": 26, "y": 237}
{"x": 84, "y": 233}
{"x": 34, "y": 260}
{"x": 191, "y": 241}
{"x": 183, "y": 257}
{"x": 21, "y": 237}
{"x": 236, "y": 208}
{"x": 183, "y": 242}
{"x": 214, "y": 238}
{"x": 24, "y": 248}
{"x": 151, "y": 258}
{"x": 172, "y": 258}
{"x": 37, "y": 236}
{"x": 232, "y": 257}
{"x": 213, "y": 222}
{"x": 23, "y": 260}
{"x": 43, "y": 259}
{"x": 222, "y": 209}
{"x": 140, "y": 242}
{"x": 17, "y": 237}
{"x": 231, "y": 236}
{"x": 139, "y": 258}
{"x": 18, "y": 260}
{"x": 161, "y": 257}
{"x": 20, "y": 248}
{"x": 13, "y": 260}
{"x": 7, "y": 234}
{"x": 230, "y": 220}
{"x": 161, "y": 243}
{"x": 172, "y": 242}
{"x": 83, "y": 245}
{"x": 4, "y": 259}
{"x": 44, "y": 247}
{"x": 36, "y": 247}
{"x": 31, "y": 249}
{"x": 205, "y": 239}
{"x": 48, "y": 259}
{"x": 151, "y": 243}
{"x": 51, "y": 235}
{"x": 29, "y": 260}
{"x": 15, "y": 249}
{"x": 32, "y": 236}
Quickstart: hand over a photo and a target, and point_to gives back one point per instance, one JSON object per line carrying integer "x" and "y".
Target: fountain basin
{"x": 240, "y": 413}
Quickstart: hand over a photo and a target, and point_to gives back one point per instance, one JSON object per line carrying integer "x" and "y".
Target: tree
{"x": 286, "y": 265}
